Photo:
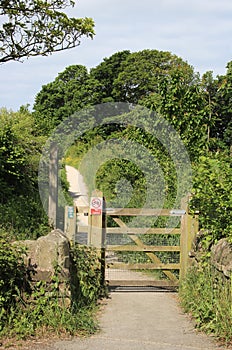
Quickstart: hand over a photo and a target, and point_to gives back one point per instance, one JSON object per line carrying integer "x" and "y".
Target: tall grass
{"x": 206, "y": 295}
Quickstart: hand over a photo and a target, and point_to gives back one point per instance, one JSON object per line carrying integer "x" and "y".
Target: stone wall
{"x": 221, "y": 257}
{"x": 42, "y": 255}
{"x": 221, "y": 254}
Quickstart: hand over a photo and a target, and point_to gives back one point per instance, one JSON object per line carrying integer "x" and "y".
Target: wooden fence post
{"x": 53, "y": 185}
{"x": 70, "y": 223}
{"x": 189, "y": 228}
{"x": 97, "y": 227}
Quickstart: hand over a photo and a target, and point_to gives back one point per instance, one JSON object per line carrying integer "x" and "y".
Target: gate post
{"x": 97, "y": 227}
{"x": 70, "y": 223}
{"x": 189, "y": 228}
{"x": 184, "y": 245}
{"x": 53, "y": 185}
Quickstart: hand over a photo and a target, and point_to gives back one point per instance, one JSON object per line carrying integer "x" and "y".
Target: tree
{"x": 38, "y": 27}
{"x": 223, "y": 99}
{"x": 71, "y": 90}
{"x": 143, "y": 72}
{"x": 159, "y": 80}
{"x": 107, "y": 71}
{"x": 166, "y": 84}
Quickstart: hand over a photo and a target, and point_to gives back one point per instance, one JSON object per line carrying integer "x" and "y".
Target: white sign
{"x": 96, "y": 204}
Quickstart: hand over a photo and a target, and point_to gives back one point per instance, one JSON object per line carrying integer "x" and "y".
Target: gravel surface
{"x": 141, "y": 320}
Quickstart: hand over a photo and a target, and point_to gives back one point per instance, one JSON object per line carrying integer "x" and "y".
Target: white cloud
{"x": 199, "y": 31}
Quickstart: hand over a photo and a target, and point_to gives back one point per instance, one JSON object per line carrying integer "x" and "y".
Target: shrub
{"x": 13, "y": 279}
{"x": 23, "y": 217}
{"x": 87, "y": 283}
{"x": 213, "y": 196}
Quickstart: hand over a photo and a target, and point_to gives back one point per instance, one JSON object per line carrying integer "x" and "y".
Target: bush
{"x": 13, "y": 279}
{"x": 23, "y": 217}
{"x": 87, "y": 283}
{"x": 212, "y": 196}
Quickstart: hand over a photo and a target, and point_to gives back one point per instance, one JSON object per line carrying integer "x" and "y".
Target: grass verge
{"x": 206, "y": 295}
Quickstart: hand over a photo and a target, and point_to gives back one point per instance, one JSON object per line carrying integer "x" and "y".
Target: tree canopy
{"x": 156, "y": 79}
{"x": 199, "y": 108}
{"x": 39, "y": 27}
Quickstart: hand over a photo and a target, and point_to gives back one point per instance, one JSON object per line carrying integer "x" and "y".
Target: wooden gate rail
{"x": 136, "y": 211}
{"x": 142, "y": 247}
{"x": 144, "y": 212}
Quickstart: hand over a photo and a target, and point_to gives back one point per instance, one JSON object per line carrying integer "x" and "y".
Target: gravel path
{"x": 78, "y": 191}
{"x": 145, "y": 320}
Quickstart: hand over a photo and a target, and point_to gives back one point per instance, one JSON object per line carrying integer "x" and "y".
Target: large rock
{"x": 45, "y": 252}
{"x": 222, "y": 257}
{"x": 197, "y": 248}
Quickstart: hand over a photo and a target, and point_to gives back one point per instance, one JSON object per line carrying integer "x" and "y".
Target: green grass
{"x": 36, "y": 309}
{"x": 45, "y": 312}
{"x": 206, "y": 295}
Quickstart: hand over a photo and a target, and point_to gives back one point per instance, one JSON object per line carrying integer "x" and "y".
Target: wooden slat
{"x": 134, "y": 211}
{"x": 152, "y": 256}
{"x": 140, "y": 266}
{"x": 144, "y": 248}
{"x": 144, "y": 283}
{"x": 84, "y": 229}
{"x": 143, "y": 230}
{"x": 136, "y": 231}
{"x": 143, "y": 212}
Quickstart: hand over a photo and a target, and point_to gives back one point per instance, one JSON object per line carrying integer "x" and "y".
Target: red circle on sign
{"x": 96, "y": 203}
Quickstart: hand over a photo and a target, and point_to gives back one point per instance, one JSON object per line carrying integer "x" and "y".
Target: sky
{"x": 198, "y": 31}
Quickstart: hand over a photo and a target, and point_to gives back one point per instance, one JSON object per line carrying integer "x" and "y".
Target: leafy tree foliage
{"x": 212, "y": 195}
{"x": 143, "y": 73}
{"x": 198, "y": 108}
{"x": 106, "y": 73}
{"x": 19, "y": 150}
{"x": 159, "y": 80}
{"x": 20, "y": 205}
{"x": 71, "y": 90}
{"x": 39, "y": 27}
{"x": 222, "y": 129}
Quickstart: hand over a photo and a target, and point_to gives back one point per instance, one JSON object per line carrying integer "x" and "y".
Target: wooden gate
{"x": 148, "y": 256}
{"x": 140, "y": 256}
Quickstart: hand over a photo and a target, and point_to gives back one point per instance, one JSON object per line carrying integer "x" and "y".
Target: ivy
{"x": 87, "y": 280}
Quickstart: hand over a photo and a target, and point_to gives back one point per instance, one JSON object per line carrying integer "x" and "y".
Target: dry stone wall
{"x": 221, "y": 254}
{"x": 42, "y": 255}
{"x": 221, "y": 257}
